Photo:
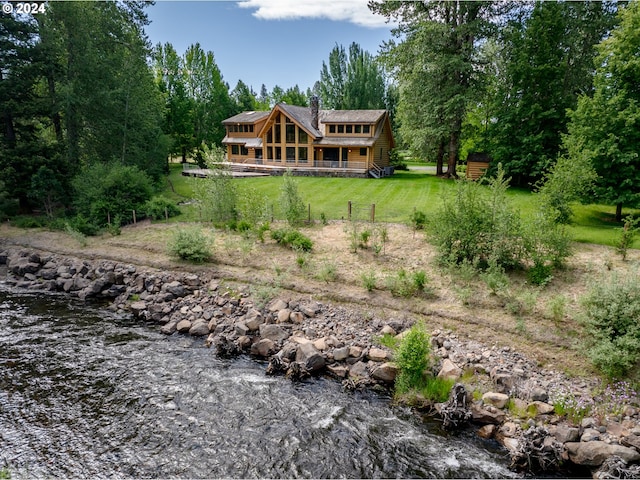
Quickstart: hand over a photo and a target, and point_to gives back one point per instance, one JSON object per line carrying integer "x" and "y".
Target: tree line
{"x": 534, "y": 84}
{"x": 539, "y": 86}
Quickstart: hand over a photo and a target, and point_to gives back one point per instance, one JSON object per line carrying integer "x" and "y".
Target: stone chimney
{"x": 314, "y": 111}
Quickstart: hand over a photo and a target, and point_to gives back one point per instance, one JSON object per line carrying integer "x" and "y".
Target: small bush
{"x": 191, "y": 245}
{"x": 327, "y": 272}
{"x": 495, "y": 277}
{"x": 159, "y": 208}
{"x": 540, "y": 274}
{"x": 389, "y": 341}
{"x": 404, "y": 285}
{"x": 292, "y": 239}
{"x": 412, "y": 359}
{"x": 627, "y": 235}
{"x": 291, "y": 202}
{"x": 368, "y": 280}
{"x": 612, "y": 310}
{"x": 29, "y": 221}
{"x": 418, "y": 220}
{"x": 556, "y": 308}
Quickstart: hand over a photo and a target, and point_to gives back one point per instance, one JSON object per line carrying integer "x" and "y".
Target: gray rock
{"x": 593, "y": 454}
{"x": 242, "y": 329}
{"x": 449, "y": 370}
{"x": 183, "y": 326}
{"x": 486, "y": 431}
{"x": 484, "y": 416}
{"x": 566, "y": 434}
{"x": 358, "y": 370}
{"x": 340, "y": 354}
{"x": 277, "y": 305}
{"x": 199, "y": 328}
{"x": 631, "y": 441}
{"x": 273, "y": 332}
{"x": 498, "y": 400}
{"x": 377, "y": 354}
{"x": 590, "y": 435}
{"x": 385, "y": 372}
{"x": 138, "y": 307}
{"x": 541, "y": 408}
{"x": 170, "y": 327}
{"x": 263, "y": 347}
{"x": 539, "y": 395}
{"x": 253, "y": 319}
{"x": 310, "y": 357}
{"x": 283, "y": 315}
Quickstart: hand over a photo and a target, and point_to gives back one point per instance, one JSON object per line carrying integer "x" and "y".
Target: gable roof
{"x": 351, "y": 116}
{"x": 302, "y": 116}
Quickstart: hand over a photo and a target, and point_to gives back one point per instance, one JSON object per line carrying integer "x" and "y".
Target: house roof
{"x": 303, "y": 117}
{"x": 246, "y": 117}
{"x": 351, "y": 116}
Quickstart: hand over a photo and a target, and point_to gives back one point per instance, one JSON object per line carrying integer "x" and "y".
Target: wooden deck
{"x": 252, "y": 170}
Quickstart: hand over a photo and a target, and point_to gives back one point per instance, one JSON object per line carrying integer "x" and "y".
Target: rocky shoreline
{"x": 501, "y": 393}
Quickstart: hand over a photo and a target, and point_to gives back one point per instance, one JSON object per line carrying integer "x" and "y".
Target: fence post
{"x": 109, "y": 218}
{"x": 166, "y": 214}
{"x": 349, "y": 210}
{"x": 134, "y": 217}
{"x": 373, "y": 212}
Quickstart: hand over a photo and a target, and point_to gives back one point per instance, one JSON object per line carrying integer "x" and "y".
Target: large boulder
{"x": 309, "y": 355}
{"x": 593, "y": 454}
{"x": 385, "y": 372}
{"x": 273, "y": 332}
{"x": 450, "y": 370}
{"x": 498, "y": 400}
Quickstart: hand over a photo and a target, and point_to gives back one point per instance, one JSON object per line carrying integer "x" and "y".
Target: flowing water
{"x": 86, "y": 393}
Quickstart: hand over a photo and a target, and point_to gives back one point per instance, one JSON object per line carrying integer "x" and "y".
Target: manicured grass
{"x": 395, "y": 199}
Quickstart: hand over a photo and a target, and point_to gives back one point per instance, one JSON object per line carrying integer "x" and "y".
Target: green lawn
{"x": 395, "y": 198}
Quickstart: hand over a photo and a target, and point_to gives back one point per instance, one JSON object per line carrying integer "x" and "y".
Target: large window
{"x": 276, "y": 133}
{"x": 244, "y": 150}
{"x": 363, "y": 152}
{"x": 278, "y": 154}
{"x": 291, "y": 154}
{"x": 302, "y": 136}
{"x": 332, "y": 129}
{"x": 235, "y": 150}
{"x": 365, "y": 129}
{"x": 290, "y": 133}
{"x": 302, "y": 154}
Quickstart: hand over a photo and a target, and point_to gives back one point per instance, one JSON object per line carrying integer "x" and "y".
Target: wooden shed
{"x": 477, "y": 164}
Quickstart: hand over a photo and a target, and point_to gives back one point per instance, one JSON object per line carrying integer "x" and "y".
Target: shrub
{"x": 29, "y": 221}
{"x": 404, "y": 285}
{"x": 477, "y": 224}
{"x": 540, "y": 274}
{"x": 291, "y": 202}
{"x": 190, "y": 244}
{"x": 252, "y": 206}
{"x": 110, "y": 190}
{"x": 612, "y": 310}
{"x": 293, "y": 239}
{"x": 217, "y": 194}
{"x": 327, "y": 272}
{"x": 418, "y": 220}
{"x": 412, "y": 359}
{"x": 368, "y": 280}
{"x": 157, "y": 207}
{"x": 627, "y": 234}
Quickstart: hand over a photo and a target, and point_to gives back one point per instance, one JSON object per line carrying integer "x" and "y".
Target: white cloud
{"x": 354, "y": 11}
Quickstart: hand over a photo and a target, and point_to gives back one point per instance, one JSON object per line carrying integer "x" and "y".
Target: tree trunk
{"x": 619, "y": 212}
{"x": 184, "y": 155}
{"x": 453, "y": 155}
{"x": 439, "y": 169}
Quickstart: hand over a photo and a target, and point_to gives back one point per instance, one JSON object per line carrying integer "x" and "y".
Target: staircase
{"x": 375, "y": 171}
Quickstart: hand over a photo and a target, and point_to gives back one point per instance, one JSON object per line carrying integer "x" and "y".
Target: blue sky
{"x": 275, "y": 42}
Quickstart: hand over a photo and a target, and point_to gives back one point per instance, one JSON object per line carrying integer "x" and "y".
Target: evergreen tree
{"x": 605, "y": 128}
{"x": 547, "y": 55}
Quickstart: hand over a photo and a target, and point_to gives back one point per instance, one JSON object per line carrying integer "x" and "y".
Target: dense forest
{"x": 87, "y": 105}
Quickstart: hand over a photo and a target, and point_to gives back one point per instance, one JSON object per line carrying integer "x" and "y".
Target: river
{"x": 87, "y": 393}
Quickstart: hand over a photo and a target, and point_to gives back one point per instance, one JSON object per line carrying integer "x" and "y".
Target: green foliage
{"x": 159, "y": 206}
{"x": 540, "y": 274}
{"x": 24, "y": 221}
{"x": 418, "y": 220}
{"x": 190, "y": 244}
{"x": 478, "y": 224}
{"x": 46, "y": 189}
{"x": 369, "y": 280}
{"x": 217, "y": 194}
{"x": 390, "y": 341}
{"x": 406, "y": 285}
{"x": 545, "y": 59}
{"x": 351, "y": 82}
{"x": 412, "y": 359}
{"x": 436, "y": 389}
{"x": 252, "y": 206}
{"x": 110, "y": 190}
{"x": 5, "y": 474}
{"x": 495, "y": 277}
{"x": 556, "y": 308}
{"x": 327, "y": 272}
{"x": 83, "y": 225}
{"x": 605, "y": 126}
{"x": 627, "y": 235}
{"x": 293, "y": 239}
{"x": 612, "y": 310}
{"x": 291, "y": 202}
